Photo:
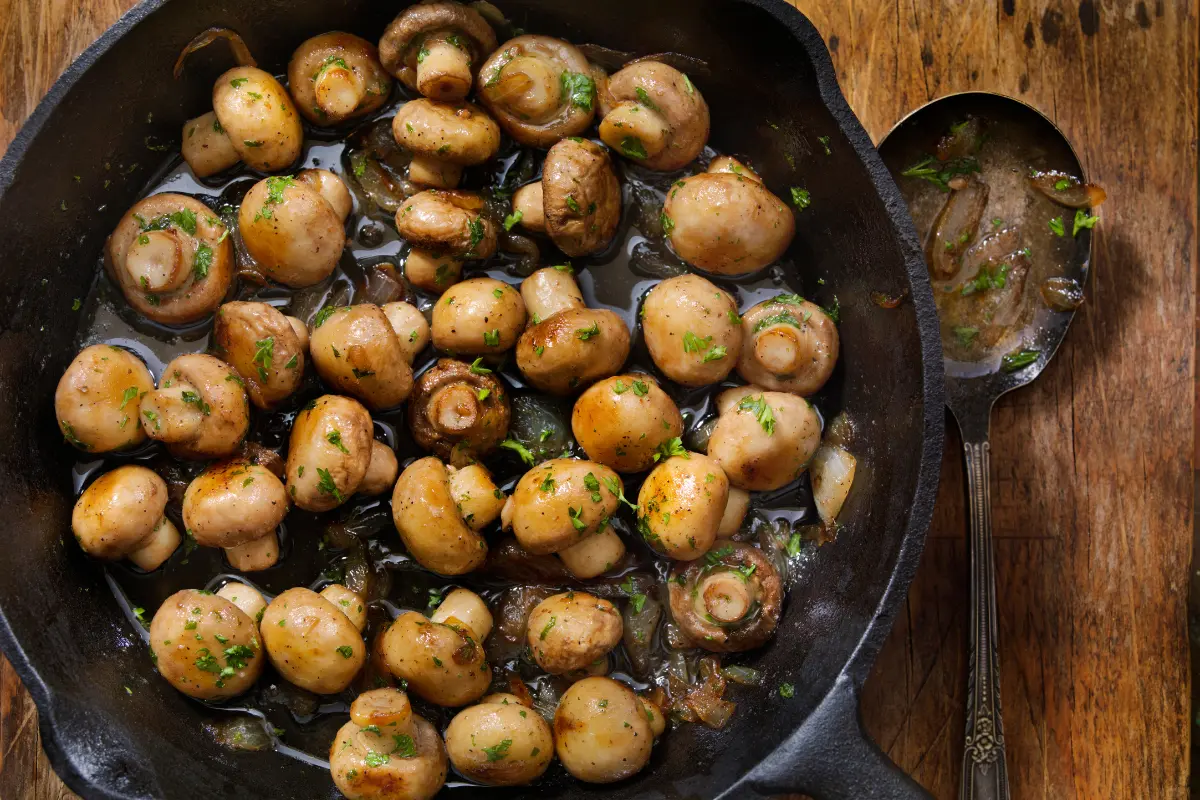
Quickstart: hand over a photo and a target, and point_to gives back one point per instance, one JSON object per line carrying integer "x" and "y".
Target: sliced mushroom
{"x": 444, "y": 138}
{"x": 442, "y": 663}
{"x": 233, "y": 504}
{"x": 763, "y": 440}
{"x": 206, "y": 147}
{"x": 692, "y": 330}
{"x": 291, "y": 231}
{"x": 680, "y": 505}
{"x": 569, "y": 631}
{"x": 539, "y": 89}
{"x": 200, "y": 409}
{"x": 435, "y": 48}
{"x": 428, "y": 519}
{"x": 385, "y": 752}
{"x": 98, "y": 397}
{"x": 477, "y": 317}
{"x": 792, "y": 345}
{"x": 581, "y": 197}
{"x": 205, "y": 646}
{"x": 310, "y": 642}
{"x": 728, "y": 602}
{"x": 601, "y": 731}
{"x": 258, "y": 117}
{"x": 264, "y": 346}
{"x": 172, "y": 258}
{"x": 457, "y": 412}
{"x": 623, "y": 421}
{"x": 120, "y": 515}
{"x": 356, "y": 350}
{"x": 561, "y": 502}
{"x": 337, "y": 76}
{"x": 658, "y": 119}
{"x": 329, "y": 452}
{"x": 445, "y": 228}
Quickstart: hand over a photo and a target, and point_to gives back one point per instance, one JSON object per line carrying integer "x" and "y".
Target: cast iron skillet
{"x": 74, "y": 649}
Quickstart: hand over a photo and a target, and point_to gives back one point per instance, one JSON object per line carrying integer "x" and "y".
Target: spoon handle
{"x": 984, "y": 772}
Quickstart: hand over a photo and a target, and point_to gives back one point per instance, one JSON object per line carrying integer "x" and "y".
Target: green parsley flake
{"x": 761, "y": 410}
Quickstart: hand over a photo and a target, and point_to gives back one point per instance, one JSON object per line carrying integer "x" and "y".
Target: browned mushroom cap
{"x": 443, "y": 138}
{"x": 729, "y": 601}
{"x": 581, "y": 197}
{"x": 121, "y": 515}
{"x": 457, "y": 414}
{"x": 206, "y": 147}
{"x": 431, "y": 271}
{"x": 429, "y": 521}
{"x": 264, "y": 347}
{"x": 172, "y": 258}
{"x": 200, "y": 409}
{"x": 329, "y": 451}
{"x": 573, "y": 349}
{"x": 447, "y": 222}
{"x": 98, "y": 397}
{"x": 477, "y": 317}
{"x": 539, "y": 89}
{"x": 233, "y": 503}
{"x": 291, "y": 230}
{"x": 660, "y": 119}
{"x": 257, "y": 115}
{"x": 792, "y": 345}
{"x": 337, "y": 76}
{"x": 356, "y": 350}
{"x": 435, "y": 48}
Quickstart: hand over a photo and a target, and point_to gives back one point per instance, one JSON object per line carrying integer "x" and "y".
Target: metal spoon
{"x": 973, "y": 386}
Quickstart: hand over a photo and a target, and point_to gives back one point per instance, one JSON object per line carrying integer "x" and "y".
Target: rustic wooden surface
{"x": 1092, "y": 466}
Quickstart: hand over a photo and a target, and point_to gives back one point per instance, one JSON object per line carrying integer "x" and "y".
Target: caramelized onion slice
{"x": 241, "y": 53}
{"x": 1068, "y": 190}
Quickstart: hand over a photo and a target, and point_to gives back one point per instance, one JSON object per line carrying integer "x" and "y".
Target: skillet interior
{"x": 69, "y": 641}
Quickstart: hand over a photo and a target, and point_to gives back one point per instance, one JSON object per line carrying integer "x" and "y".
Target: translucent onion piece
{"x": 832, "y": 473}
{"x": 1062, "y": 294}
{"x": 241, "y": 732}
{"x": 746, "y": 676}
{"x": 639, "y": 634}
{"x": 964, "y": 139}
{"x": 241, "y": 53}
{"x": 542, "y": 425}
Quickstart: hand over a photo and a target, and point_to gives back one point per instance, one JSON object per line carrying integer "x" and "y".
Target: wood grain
{"x": 1092, "y": 466}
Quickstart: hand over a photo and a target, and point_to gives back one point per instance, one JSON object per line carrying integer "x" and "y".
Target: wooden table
{"x": 1092, "y": 466}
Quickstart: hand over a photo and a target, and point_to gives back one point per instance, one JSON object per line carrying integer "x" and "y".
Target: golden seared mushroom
{"x": 438, "y": 513}
{"x": 381, "y": 471}
{"x": 791, "y": 345}
{"x": 581, "y": 198}
{"x": 730, "y": 601}
{"x": 120, "y": 515}
{"x": 445, "y": 229}
{"x": 265, "y": 347}
{"x": 386, "y": 752}
{"x": 595, "y": 555}
{"x": 726, "y": 223}
{"x": 329, "y": 452}
{"x": 626, "y": 422}
{"x": 205, "y": 646}
{"x": 411, "y": 327}
{"x": 356, "y": 350}
{"x": 337, "y": 76}
{"x": 237, "y": 506}
{"x": 500, "y": 743}
{"x": 206, "y": 147}
{"x": 458, "y": 412}
{"x": 464, "y": 607}
{"x": 311, "y": 642}
{"x": 98, "y": 397}
{"x": 444, "y": 138}
{"x": 763, "y": 440}
{"x": 172, "y": 258}
{"x": 442, "y": 662}
{"x": 258, "y": 117}
{"x": 569, "y": 346}
{"x": 436, "y": 48}
{"x": 602, "y": 733}
{"x": 245, "y": 597}
{"x": 479, "y": 316}
{"x": 692, "y": 330}
{"x": 292, "y": 232}
{"x": 199, "y": 409}
{"x": 569, "y": 631}
{"x": 539, "y": 89}
{"x": 658, "y": 117}
{"x": 681, "y": 504}
{"x": 561, "y": 502}
{"x": 348, "y": 602}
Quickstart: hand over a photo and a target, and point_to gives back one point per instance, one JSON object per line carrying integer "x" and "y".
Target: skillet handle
{"x": 831, "y": 757}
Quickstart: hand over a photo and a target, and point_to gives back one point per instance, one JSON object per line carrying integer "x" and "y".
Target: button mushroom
{"x": 245, "y": 597}
{"x": 435, "y": 48}
{"x": 601, "y": 731}
{"x": 477, "y": 317}
{"x": 692, "y": 330}
{"x": 464, "y": 607}
{"x": 580, "y": 198}
{"x": 443, "y": 663}
{"x": 595, "y": 555}
{"x": 258, "y": 117}
{"x": 623, "y": 421}
{"x": 205, "y": 646}
{"x": 500, "y": 743}
{"x": 658, "y": 118}
{"x": 438, "y": 517}
{"x": 411, "y": 327}
{"x": 172, "y": 258}
{"x": 356, "y": 350}
{"x": 382, "y": 470}
{"x": 292, "y": 232}
{"x": 98, "y": 396}
{"x": 200, "y": 409}
{"x": 234, "y": 505}
{"x": 120, "y": 515}
{"x": 569, "y": 631}
{"x": 726, "y": 223}
{"x": 561, "y": 502}
{"x": 310, "y": 642}
{"x": 728, "y": 602}
{"x": 348, "y": 602}
{"x": 680, "y": 505}
{"x": 792, "y": 345}
{"x": 445, "y": 229}
{"x": 458, "y": 413}
{"x": 329, "y": 452}
{"x": 539, "y": 89}
{"x": 206, "y": 147}
{"x": 337, "y": 76}
{"x": 265, "y": 347}
{"x": 569, "y": 346}
{"x": 763, "y": 440}
{"x": 386, "y": 752}
{"x": 444, "y": 138}
{"x": 736, "y": 508}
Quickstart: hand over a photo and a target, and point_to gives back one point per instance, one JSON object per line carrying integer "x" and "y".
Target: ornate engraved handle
{"x": 984, "y": 772}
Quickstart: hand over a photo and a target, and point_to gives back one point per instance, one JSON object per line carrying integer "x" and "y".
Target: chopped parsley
{"x": 761, "y": 410}
{"x": 499, "y": 751}
{"x": 326, "y": 485}
{"x": 546, "y": 630}
{"x": 513, "y": 219}
{"x": 477, "y": 367}
{"x": 985, "y": 280}
{"x": 670, "y": 448}
{"x": 276, "y": 186}
{"x": 579, "y": 89}
{"x": 787, "y": 691}
{"x": 405, "y": 746}
{"x": 345, "y": 651}
{"x": 194, "y": 399}
{"x": 264, "y": 355}
{"x": 519, "y": 449}
{"x": 584, "y": 334}
{"x": 1056, "y": 227}
{"x": 641, "y": 388}
{"x": 1019, "y": 359}
{"x": 335, "y": 439}
{"x": 492, "y": 338}
{"x": 1083, "y": 220}
{"x": 632, "y": 147}
{"x": 801, "y": 198}
{"x": 938, "y": 172}
{"x": 202, "y": 261}
{"x": 576, "y": 515}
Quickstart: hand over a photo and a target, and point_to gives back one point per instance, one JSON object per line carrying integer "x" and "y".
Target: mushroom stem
{"x": 426, "y": 270}
{"x": 528, "y": 87}
{"x": 724, "y": 596}
{"x": 434, "y": 172}
{"x": 549, "y": 291}
{"x": 443, "y": 71}
{"x": 383, "y": 708}
{"x": 256, "y": 555}
{"x": 156, "y": 548}
{"x": 301, "y": 331}
{"x": 528, "y": 201}
{"x": 454, "y": 409}
{"x": 338, "y": 90}
{"x": 781, "y": 350}
{"x": 629, "y": 120}
{"x": 206, "y": 147}
{"x": 467, "y": 609}
{"x": 155, "y": 261}
{"x": 170, "y": 414}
